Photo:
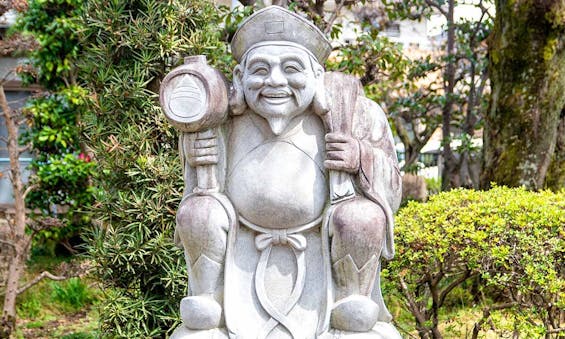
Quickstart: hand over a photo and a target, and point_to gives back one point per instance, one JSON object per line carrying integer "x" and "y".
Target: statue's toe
{"x": 200, "y": 312}
{"x": 355, "y": 313}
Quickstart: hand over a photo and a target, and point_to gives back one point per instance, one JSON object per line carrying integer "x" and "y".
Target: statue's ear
{"x": 320, "y": 102}
{"x": 237, "y": 99}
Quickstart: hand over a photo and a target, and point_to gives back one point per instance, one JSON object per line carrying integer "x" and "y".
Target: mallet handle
{"x": 206, "y": 178}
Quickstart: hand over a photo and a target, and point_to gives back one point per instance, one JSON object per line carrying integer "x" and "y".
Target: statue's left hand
{"x": 342, "y": 153}
{"x": 203, "y": 150}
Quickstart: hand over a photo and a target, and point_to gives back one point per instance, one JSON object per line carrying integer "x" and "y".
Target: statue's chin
{"x": 278, "y": 120}
{"x": 278, "y": 124}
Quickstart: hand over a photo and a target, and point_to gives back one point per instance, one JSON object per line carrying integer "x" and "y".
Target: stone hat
{"x": 277, "y": 24}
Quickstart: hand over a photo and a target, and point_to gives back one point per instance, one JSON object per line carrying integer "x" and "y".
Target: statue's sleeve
{"x": 379, "y": 176}
{"x": 186, "y": 140}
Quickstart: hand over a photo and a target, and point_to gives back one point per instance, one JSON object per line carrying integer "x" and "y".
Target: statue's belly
{"x": 277, "y": 186}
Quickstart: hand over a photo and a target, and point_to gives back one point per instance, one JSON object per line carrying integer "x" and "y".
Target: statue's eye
{"x": 260, "y": 71}
{"x": 292, "y": 68}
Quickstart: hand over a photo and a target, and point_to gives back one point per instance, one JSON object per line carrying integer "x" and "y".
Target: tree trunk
{"x": 527, "y": 72}
{"x": 17, "y": 236}
{"x": 555, "y": 179}
{"x": 8, "y": 323}
{"x": 450, "y": 175}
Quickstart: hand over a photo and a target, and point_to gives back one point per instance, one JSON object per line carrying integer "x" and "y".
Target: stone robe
{"x": 279, "y": 184}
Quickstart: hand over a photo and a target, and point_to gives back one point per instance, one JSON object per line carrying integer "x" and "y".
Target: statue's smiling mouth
{"x": 276, "y": 96}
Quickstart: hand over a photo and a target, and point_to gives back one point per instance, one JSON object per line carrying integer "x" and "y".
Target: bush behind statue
{"x": 128, "y": 47}
{"x": 510, "y": 241}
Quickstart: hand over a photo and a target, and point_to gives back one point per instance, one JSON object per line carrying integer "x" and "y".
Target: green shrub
{"x": 433, "y": 185}
{"x": 55, "y": 25}
{"x": 61, "y": 184}
{"x": 72, "y": 294}
{"x": 29, "y": 308}
{"x": 510, "y": 240}
{"x": 62, "y": 169}
{"x": 129, "y": 46}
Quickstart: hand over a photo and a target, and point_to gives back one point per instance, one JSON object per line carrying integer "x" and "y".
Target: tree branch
{"x": 450, "y": 287}
{"x": 436, "y": 6}
{"x": 38, "y": 278}
{"x": 334, "y": 16}
{"x": 29, "y": 189}
{"x": 484, "y": 9}
{"x": 486, "y": 316}
{"x": 412, "y": 303}
{"x": 6, "y": 77}
{"x": 401, "y": 131}
{"x": 8, "y": 243}
{"x": 24, "y": 149}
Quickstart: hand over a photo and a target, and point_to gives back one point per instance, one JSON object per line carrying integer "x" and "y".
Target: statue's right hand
{"x": 203, "y": 150}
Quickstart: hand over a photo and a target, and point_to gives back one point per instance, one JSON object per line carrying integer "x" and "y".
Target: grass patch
{"x": 71, "y": 295}
{"x": 35, "y": 324}
{"x": 80, "y": 335}
{"x": 57, "y": 309}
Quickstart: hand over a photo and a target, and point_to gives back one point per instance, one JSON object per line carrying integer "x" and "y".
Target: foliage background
{"x": 129, "y": 46}
{"x": 61, "y": 185}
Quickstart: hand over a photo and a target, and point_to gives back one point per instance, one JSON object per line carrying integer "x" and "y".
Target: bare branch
{"x": 412, "y": 303}
{"x": 334, "y": 16}
{"x": 40, "y": 277}
{"x": 484, "y": 9}
{"x": 401, "y": 130}
{"x": 29, "y": 189}
{"x": 65, "y": 243}
{"x": 486, "y": 317}
{"x": 405, "y": 332}
{"x": 450, "y": 287}
{"x": 46, "y": 223}
{"x": 24, "y": 149}
{"x": 8, "y": 243}
{"x": 436, "y": 6}
{"x": 6, "y": 76}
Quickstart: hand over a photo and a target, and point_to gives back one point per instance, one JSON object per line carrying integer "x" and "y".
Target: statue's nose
{"x": 276, "y": 78}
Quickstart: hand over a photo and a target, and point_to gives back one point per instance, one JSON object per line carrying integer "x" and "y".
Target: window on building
{"x": 392, "y": 30}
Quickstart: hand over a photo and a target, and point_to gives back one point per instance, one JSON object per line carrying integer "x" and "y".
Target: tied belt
{"x": 280, "y": 237}
{"x": 264, "y": 242}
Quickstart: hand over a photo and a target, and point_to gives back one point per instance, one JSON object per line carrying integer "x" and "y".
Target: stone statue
{"x": 290, "y": 188}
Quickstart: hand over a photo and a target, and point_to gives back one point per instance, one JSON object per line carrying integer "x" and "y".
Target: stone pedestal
{"x": 380, "y": 331}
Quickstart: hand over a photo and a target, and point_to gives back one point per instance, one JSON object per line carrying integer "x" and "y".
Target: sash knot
{"x": 280, "y": 237}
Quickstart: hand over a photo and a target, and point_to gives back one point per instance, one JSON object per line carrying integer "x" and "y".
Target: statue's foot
{"x": 200, "y": 312}
{"x": 355, "y": 313}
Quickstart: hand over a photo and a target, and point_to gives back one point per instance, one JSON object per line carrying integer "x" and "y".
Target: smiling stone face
{"x": 278, "y": 83}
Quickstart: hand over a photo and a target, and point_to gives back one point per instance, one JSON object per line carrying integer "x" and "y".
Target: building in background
{"x": 17, "y": 96}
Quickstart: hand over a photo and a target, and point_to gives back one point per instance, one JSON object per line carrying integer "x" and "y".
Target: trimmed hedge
{"x": 507, "y": 242}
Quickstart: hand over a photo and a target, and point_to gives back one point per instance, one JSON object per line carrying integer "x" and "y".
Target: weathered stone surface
{"x": 354, "y": 313}
{"x": 288, "y": 202}
{"x": 200, "y": 312}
